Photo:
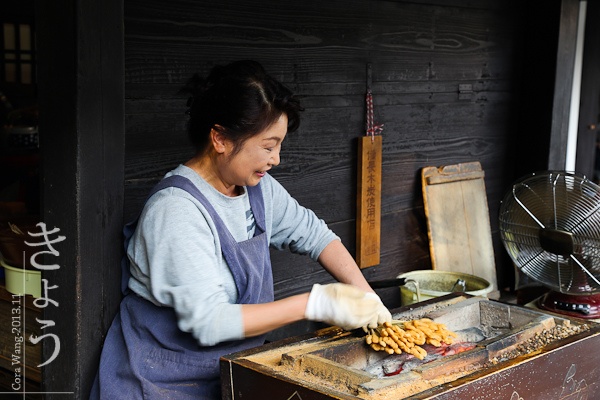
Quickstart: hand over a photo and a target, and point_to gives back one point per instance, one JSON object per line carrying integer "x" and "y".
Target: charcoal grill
{"x": 519, "y": 352}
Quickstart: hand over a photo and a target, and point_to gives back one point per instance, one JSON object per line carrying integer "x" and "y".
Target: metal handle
{"x": 417, "y": 290}
{"x": 459, "y": 286}
{"x": 387, "y": 283}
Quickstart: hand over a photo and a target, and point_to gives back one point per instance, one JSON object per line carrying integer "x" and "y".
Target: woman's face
{"x": 258, "y": 155}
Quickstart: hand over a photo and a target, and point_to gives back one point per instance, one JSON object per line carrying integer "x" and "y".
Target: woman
{"x": 198, "y": 280}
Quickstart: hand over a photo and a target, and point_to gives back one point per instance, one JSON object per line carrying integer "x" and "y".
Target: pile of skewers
{"x": 396, "y": 336}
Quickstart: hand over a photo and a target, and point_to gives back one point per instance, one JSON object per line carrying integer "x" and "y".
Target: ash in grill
{"x": 494, "y": 339}
{"x": 541, "y": 339}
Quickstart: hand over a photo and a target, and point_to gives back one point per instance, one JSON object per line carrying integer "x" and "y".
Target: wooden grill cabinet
{"x": 333, "y": 364}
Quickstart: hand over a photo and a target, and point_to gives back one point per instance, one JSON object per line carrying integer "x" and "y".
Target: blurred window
{"x": 18, "y": 54}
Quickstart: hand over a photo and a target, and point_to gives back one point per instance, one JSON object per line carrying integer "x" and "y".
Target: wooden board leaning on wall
{"x": 458, "y": 221}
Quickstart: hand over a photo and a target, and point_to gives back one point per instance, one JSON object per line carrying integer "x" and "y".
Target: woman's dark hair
{"x": 239, "y": 100}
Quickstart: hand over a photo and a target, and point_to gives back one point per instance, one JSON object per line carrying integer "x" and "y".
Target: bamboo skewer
{"x": 400, "y": 336}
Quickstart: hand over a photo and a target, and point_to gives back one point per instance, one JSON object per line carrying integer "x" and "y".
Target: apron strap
{"x": 257, "y": 205}
{"x": 181, "y": 182}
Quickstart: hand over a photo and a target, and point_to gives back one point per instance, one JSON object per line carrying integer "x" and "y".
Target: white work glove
{"x": 343, "y": 305}
{"x": 383, "y": 314}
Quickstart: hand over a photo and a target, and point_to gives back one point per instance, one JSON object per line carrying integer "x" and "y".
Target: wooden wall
{"x": 80, "y": 93}
{"x": 420, "y": 51}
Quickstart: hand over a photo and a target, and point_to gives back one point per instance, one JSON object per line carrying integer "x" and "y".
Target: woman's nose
{"x": 275, "y": 160}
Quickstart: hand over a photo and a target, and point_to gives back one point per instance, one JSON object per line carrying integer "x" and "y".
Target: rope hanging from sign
{"x": 372, "y": 129}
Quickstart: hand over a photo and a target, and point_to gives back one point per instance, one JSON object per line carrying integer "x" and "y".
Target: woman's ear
{"x": 218, "y": 141}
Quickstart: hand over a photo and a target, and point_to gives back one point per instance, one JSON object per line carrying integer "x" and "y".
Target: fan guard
{"x": 550, "y": 227}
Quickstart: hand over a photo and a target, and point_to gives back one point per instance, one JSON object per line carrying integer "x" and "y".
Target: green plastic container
{"x": 427, "y": 284}
{"x": 22, "y": 281}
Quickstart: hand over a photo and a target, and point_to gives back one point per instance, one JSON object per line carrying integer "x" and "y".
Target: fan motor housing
{"x": 556, "y": 241}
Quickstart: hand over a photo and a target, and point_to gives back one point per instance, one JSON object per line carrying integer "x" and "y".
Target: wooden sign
{"x": 458, "y": 221}
{"x": 368, "y": 208}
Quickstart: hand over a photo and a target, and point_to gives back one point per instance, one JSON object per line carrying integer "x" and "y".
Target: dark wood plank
{"x": 81, "y": 105}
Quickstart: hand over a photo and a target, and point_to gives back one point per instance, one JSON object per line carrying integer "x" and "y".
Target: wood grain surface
{"x": 458, "y": 223}
{"x": 446, "y": 83}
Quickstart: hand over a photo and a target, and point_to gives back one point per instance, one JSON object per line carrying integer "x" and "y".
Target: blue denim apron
{"x": 146, "y": 356}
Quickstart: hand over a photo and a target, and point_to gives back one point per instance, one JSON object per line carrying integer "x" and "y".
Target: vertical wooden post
{"x": 368, "y": 220}
{"x": 565, "y": 67}
{"x": 589, "y": 109}
{"x": 81, "y": 95}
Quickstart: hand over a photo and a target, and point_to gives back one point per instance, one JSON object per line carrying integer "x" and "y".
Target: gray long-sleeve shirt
{"x": 176, "y": 258}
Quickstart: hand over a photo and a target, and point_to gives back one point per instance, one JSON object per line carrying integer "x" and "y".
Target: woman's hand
{"x": 344, "y": 305}
{"x": 383, "y": 314}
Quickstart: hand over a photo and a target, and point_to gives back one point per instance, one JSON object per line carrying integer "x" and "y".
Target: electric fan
{"x": 550, "y": 227}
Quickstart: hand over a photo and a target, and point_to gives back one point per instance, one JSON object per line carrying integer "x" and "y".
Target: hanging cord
{"x": 372, "y": 129}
